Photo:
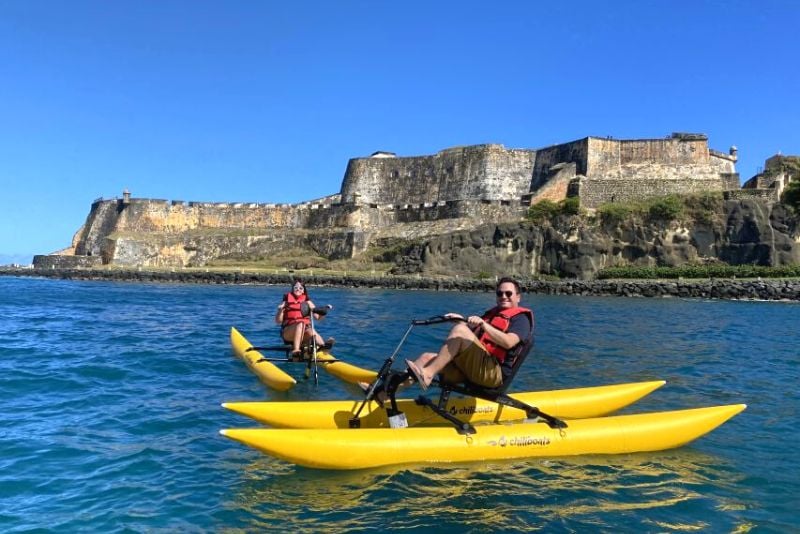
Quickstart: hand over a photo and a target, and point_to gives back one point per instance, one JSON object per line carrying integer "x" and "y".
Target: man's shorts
{"x": 476, "y": 365}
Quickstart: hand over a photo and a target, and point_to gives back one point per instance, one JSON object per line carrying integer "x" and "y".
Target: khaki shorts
{"x": 476, "y": 365}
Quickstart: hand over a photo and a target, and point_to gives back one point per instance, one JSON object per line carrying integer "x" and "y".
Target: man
{"x": 477, "y": 349}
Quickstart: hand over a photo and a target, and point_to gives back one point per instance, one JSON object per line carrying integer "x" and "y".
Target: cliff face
{"x": 743, "y": 232}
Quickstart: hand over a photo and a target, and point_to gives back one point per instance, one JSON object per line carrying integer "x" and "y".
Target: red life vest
{"x": 500, "y": 319}
{"x": 292, "y": 313}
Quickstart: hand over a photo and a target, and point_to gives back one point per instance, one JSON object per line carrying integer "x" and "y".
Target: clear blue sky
{"x": 261, "y": 101}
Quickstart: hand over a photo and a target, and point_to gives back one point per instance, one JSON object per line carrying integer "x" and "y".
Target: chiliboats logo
{"x": 520, "y": 441}
{"x": 469, "y": 410}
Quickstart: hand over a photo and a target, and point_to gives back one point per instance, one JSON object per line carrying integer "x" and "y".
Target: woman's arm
{"x": 279, "y": 313}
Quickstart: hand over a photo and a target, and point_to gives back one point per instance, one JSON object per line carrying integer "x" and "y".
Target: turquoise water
{"x": 110, "y": 415}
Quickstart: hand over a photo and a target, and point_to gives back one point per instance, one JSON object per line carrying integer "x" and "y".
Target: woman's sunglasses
{"x": 508, "y": 294}
{"x": 299, "y": 287}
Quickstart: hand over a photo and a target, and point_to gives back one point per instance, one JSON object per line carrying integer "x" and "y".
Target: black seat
{"x": 498, "y": 394}
{"x": 516, "y": 356}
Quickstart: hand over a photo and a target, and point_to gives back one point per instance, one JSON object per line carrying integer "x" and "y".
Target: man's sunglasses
{"x": 508, "y": 294}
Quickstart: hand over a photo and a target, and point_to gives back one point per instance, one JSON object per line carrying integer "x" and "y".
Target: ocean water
{"x": 110, "y": 398}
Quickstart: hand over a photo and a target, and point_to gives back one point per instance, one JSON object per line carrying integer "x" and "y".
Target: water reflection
{"x": 675, "y": 488}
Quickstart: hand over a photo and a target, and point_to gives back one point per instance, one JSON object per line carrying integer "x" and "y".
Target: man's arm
{"x": 506, "y": 340}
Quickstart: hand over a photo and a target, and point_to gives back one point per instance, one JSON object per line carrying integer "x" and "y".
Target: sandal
{"x": 417, "y": 373}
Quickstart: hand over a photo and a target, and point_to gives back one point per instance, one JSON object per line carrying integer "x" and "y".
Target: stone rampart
{"x": 674, "y": 157}
{"x": 55, "y": 261}
{"x": 770, "y": 195}
{"x": 593, "y": 193}
{"x": 109, "y": 217}
{"x": 675, "y": 163}
{"x": 482, "y": 172}
{"x": 163, "y": 233}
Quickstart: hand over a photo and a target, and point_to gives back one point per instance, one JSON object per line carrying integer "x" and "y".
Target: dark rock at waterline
{"x": 712, "y": 289}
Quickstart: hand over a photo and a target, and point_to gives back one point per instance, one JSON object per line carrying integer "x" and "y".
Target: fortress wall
{"x": 770, "y": 195}
{"x": 368, "y": 217}
{"x": 558, "y": 184}
{"x": 462, "y": 174}
{"x": 384, "y": 180}
{"x": 101, "y": 221}
{"x": 148, "y": 215}
{"x": 603, "y": 156}
{"x": 593, "y": 193}
{"x": 143, "y": 215}
{"x": 160, "y": 216}
{"x": 508, "y": 173}
{"x": 486, "y": 172}
{"x": 55, "y": 261}
{"x": 620, "y": 158}
{"x": 576, "y": 152}
{"x": 478, "y": 210}
{"x": 672, "y": 151}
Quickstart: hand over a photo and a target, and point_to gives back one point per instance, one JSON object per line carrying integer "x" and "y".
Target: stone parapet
{"x": 742, "y": 194}
{"x": 55, "y": 261}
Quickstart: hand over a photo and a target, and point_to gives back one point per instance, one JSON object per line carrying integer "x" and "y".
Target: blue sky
{"x": 261, "y": 101}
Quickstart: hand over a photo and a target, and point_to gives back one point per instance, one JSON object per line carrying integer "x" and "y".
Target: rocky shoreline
{"x": 765, "y": 289}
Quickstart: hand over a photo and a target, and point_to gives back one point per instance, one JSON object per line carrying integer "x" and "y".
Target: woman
{"x": 295, "y": 328}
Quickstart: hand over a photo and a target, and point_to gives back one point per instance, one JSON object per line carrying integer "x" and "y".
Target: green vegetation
{"x": 543, "y": 210}
{"x": 784, "y": 164}
{"x": 701, "y": 271}
{"x": 666, "y": 208}
{"x": 546, "y": 210}
{"x": 701, "y": 207}
{"x": 791, "y": 195}
{"x": 614, "y": 213}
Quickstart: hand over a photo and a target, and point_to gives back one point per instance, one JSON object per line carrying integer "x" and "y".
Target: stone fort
{"x": 388, "y": 197}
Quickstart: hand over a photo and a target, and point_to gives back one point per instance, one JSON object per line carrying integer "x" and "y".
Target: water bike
{"x": 312, "y": 355}
{"x": 342, "y": 435}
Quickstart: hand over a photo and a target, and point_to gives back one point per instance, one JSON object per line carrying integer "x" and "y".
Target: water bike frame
{"x": 389, "y": 381}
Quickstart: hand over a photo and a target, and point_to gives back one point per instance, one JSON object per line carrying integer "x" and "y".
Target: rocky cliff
{"x": 739, "y": 232}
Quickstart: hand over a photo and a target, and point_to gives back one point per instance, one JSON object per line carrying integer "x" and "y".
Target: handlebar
{"x": 306, "y": 310}
{"x": 436, "y": 319}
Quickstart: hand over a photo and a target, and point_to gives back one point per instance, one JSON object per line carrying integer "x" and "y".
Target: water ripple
{"x": 111, "y": 399}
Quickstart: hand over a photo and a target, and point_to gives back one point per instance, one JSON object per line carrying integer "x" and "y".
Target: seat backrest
{"x": 518, "y": 355}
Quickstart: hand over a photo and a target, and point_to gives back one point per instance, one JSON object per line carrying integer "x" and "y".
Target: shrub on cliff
{"x": 666, "y": 208}
{"x": 613, "y": 213}
{"x": 791, "y": 195}
{"x": 702, "y": 207}
{"x": 700, "y": 271}
{"x": 544, "y": 210}
{"x": 571, "y": 206}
